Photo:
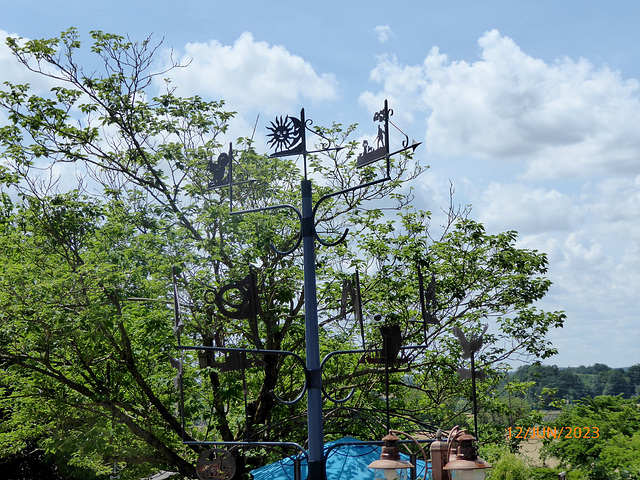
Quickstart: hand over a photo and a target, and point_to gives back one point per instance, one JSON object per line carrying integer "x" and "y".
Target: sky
{"x": 529, "y": 109}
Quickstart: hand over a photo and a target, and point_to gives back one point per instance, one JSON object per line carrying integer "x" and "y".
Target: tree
{"x": 480, "y": 278}
{"x": 574, "y": 383}
{"x": 603, "y": 441}
{"x": 86, "y": 331}
{"x": 618, "y": 384}
{"x": 564, "y": 383}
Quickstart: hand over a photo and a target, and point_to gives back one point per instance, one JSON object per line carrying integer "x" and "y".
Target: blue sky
{"x": 530, "y": 108}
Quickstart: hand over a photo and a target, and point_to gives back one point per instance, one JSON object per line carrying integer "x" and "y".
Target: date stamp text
{"x": 553, "y": 432}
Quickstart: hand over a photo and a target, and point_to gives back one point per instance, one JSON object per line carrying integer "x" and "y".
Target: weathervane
{"x": 380, "y": 149}
{"x": 287, "y": 137}
{"x": 239, "y": 300}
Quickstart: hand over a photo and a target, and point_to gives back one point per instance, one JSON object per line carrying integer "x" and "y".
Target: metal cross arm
{"x": 309, "y": 380}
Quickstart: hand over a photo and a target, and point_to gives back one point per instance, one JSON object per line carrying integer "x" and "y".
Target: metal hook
{"x": 297, "y": 244}
{"x": 332, "y": 244}
{"x": 342, "y": 400}
{"x": 304, "y": 386}
{"x": 322, "y": 364}
{"x": 291, "y": 250}
{"x": 291, "y": 402}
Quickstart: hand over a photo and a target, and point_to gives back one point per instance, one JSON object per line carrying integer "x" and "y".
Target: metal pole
{"x": 473, "y": 396}
{"x": 314, "y": 374}
{"x": 385, "y": 352}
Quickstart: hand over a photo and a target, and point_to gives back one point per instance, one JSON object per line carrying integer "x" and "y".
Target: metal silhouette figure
{"x": 220, "y": 170}
{"x": 470, "y": 346}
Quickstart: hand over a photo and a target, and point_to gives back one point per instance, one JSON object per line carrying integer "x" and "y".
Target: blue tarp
{"x": 346, "y": 462}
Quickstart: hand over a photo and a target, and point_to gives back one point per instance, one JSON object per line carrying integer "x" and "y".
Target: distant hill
{"x": 573, "y": 383}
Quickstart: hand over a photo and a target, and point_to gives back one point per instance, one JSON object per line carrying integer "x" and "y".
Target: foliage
{"x": 574, "y": 383}
{"x": 509, "y": 467}
{"x": 480, "y": 278}
{"x": 612, "y": 449}
{"x": 546, "y": 473}
{"x": 86, "y": 332}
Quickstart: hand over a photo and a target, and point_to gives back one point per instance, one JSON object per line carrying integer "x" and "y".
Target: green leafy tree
{"x": 574, "y": 383}
{"x": 617, "y": 383}
{"x": 86, "y": 328}
{"x": 607, "y": 444}
{"x": 480, "y": 278}
{"x": 562, "y": 383}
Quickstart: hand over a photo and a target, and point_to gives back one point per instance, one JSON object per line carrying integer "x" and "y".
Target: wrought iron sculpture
{"x": 215, "y": 464}
{"x": 243, "y": 305}
{"x": 221, "y": 170}
{"x": 288, "y": 137}
{"x": 470, "y": 346}
{"x": 428, "y": 301}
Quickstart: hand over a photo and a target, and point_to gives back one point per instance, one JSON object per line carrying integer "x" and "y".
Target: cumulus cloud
{"x": 547, "y": 148}
{"x": 383, "y": 32}
{"x": 14, "y": 72}
{"x": 252, "y": 75}
{"x": 529, "y": 210}
{"x": 615, "y": 202}
{"x": 566, "y": 118}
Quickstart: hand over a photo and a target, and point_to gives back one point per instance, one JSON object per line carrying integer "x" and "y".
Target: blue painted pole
{"x": 314, "y": 374}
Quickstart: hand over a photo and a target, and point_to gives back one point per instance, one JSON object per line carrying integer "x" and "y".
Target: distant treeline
{"x": 574, "y": 383}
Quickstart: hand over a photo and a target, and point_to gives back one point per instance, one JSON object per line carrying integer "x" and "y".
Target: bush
{"x": 546, "y": 473}
{"x": 509, "y": 467}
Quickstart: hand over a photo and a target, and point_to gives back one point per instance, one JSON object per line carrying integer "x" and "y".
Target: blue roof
{"x": 344, "y": 462}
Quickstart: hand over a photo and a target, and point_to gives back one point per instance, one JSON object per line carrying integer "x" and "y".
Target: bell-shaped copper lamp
{"x": 467, "y": 464}
{"x": 390, "y": 466}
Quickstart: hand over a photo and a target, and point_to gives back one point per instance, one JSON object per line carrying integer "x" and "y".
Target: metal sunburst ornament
{"x": 286, "y": 136}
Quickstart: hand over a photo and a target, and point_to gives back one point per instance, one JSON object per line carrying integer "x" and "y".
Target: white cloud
{"x": 615, "y": 203}
{"x": 567, "y": 118}
{"x": 527, "y": 210}
{"x": 13, "y": 71}
{"x": 597, "y": 287}
{"x": 383, "y": 32}
{"x": 549, "y": 149}
{"x": 252, "y": 75}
